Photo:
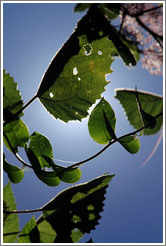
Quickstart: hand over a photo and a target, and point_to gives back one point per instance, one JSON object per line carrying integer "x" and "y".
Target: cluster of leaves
{"x": 72, "y": 83}
{"x": 66, "y": 218}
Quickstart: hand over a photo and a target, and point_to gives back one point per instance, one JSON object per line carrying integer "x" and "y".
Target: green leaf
{"x": 14, "y": 173}
{"x": 78, "y": 207}
{"x": 81, "y": 7}
{"x": 133, "y": 48}
{"x": 10, "y": 221}
{"x": 12, "y": 101}
{"x": 67, "y": 175}
{"x": 131, "y": 144}
{"x": 41, "y": 145}
{"x": 148, "y": 120}
{"x": 76, "y": 77}
{"x": 30, "y": 233}
{"x": 102, "y": 122}
{"x": 151, "y": 104}
{"x": 48, "y": 177}
{"x": 47, "y": 234}
{"x": 16, "y": 132}
{"x": 111, "y": 10}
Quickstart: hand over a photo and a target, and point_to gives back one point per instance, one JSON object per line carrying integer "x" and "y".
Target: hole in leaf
{"x": 76, "y": 219}
{"x": 99, "y": 53}
{"x": 75, "y": 71}
{"x": 90, "y": 207}
{"x": 91, "y": 217}
{"x": 107, "y": 77}
{"x": 88, "y": 49}
{"x": 51, "y": 94}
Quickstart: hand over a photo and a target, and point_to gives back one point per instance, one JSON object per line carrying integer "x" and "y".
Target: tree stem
{"x": 103, "y": 149}
{"x": 22, "y": 211}
{"x": 108, "y": 145}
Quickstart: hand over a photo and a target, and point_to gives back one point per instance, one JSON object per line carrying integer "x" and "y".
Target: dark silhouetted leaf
{"x": 151, "y": 104}
{"x": 14, "y": 173}
{"x": 131, "y": 144}
{"x": 17, "y": 133}
{"x": 10, "y": 221}
{"x": 30, "y": 233}
{"x": 12, "y": 102}
{"x": 41, "y": 145}
{"x": 76, "y": 75}
{"x": 76, "y": 210}
{"x": 102, "y": 122}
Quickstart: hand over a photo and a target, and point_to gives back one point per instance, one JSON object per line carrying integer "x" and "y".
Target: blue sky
{"x": 133, "y": 211}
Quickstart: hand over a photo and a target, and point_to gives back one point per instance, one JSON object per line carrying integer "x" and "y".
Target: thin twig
{"x": 15, "y": 154}
{"x": 154, "y": 35}
{"x": 22, "y": 211}
{"x": 145, "y": 11}
{"x": 20, "y": 111}
{"x": 108, "y": 145}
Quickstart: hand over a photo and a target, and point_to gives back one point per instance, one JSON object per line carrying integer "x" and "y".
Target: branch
{"x": 145, "y": 11}
{"x": 15, "y": 154}
{"x": 20, "y": 111}
{"x": 154, "y": 35}
{"x": 108, "y": 145}
{"x": 22, "y": 211}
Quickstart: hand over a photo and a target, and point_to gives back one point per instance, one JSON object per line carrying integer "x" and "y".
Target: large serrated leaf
{"x": 78, "y": 208}
{"x": 102, "y": 122}
{"x": 10, "y": 221}
{"x": 12, "y": 101}
{"x": 152, "y": 104}
{"x": 76, "y": 75}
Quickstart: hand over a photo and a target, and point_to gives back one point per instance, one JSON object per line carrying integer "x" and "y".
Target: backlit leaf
{"x": 47, "y": 234}
{"x": 17, "y": 133}
{"x": 41, "y": 145}
{"x": 66, "y": 175}
{"x": 30, "y": 233}
{"x": 76, "y": 210}
{"x": 12, "y": 101}
{"x": 10, "y": 221}
{"x": 152, "y": 104}
{"x": 100, "y": 117}
{"x": 76, "y": 75}
{"x": 81, "y": 7}
{"x": 48, "y": 177}
{"x": 14, "y": 173}
{"x": 111, "y": 10}
{"x": 131, "y": 144}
